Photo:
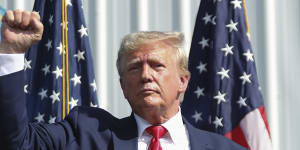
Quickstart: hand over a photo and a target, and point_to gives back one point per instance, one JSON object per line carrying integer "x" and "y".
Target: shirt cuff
{"x": 10, "y": 63}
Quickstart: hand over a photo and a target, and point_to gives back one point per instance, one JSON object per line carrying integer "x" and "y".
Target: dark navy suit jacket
{"x": 85, "y": 128}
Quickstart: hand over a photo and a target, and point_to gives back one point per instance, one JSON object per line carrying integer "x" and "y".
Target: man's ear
{"x": 184, "y": 80}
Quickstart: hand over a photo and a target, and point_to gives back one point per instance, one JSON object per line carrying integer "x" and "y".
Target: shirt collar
{"x": 174, "y": 126}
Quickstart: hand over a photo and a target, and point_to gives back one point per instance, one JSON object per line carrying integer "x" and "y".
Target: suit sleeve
{"x": 15, "y": 130}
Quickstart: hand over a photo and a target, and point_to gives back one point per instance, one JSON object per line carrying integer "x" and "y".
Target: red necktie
{"x": 157, "y": 132}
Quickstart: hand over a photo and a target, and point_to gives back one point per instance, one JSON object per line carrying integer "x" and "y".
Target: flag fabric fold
{"x": 223, "y": 95}
{"x": 55, "y": 84}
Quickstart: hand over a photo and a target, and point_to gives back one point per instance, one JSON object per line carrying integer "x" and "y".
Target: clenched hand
{"x": 20, "y": 30}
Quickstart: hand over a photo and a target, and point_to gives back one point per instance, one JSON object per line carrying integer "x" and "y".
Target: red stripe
{"x": 264, "y": 116}
{"x": 237, "y": 136}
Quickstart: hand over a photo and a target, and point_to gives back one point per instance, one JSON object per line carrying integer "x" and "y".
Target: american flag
{"x": 223, "y": 95}
{"x": 44, "y": 65}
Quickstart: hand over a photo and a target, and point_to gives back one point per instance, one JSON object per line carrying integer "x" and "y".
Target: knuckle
{"x": 18, "y": 16}
{"x": 9, "y": 14}
{"x": 26, "y": 13}
{"x": 17, "y": 12}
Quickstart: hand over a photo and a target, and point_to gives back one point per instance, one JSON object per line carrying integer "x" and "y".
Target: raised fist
{"x": 20, "y": 30}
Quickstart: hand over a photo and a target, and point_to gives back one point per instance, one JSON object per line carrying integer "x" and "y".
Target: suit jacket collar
{"x": 125, "y": 136}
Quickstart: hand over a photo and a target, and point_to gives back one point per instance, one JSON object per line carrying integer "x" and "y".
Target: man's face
{"x": 152, "y": 81}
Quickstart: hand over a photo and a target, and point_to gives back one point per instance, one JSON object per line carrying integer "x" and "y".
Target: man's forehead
{"x": 139, "y": 56}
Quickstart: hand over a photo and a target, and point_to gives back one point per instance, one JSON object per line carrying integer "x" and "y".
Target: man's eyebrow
{"x": 133, "y": 61}
{"x": 156, "y": 58}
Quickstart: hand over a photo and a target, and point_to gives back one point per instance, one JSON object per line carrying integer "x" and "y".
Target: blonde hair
{"x": 134, "y": 40}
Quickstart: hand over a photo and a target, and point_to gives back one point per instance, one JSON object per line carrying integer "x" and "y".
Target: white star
{"x": 61, "y": 49}
{"x": 94, "y": 85}
{"x": 213, "y": 20}
{"x": 249, "y": 55}
{"x": 27, "y": 64}
{"x": 25, "y": 88}
{"x": 49, "y": 44}
{"x": 79, "y": 55}
{"x": 218, "y": 122}
{"x": 249, "y": 36}
{"x": 237, "y": 4}
{"x": 68, "y": 3}
{"x": 43, "y": 94}
{"x": 245, "y": 77}
{"x": 207, "y": 18}
{"x": 73, "y": 103}
{"x": 232, "y": 26}
{"x": 50, "y": 20}
{"x": 227, "y": 49}
{"x": 201, "y": 67}
{"x": 223, "y": 73}
{"x": 64, "y": 24}
{"x": 220, "y": 97}
{"x": 204, "y": 42}
{"x": 197, "y": 116}
{"x": 40, "y": 117}
{"x": 92, "y": 105}
{"x": 55, "y": 97}
{"x": 76, "y": 79}
{"x": 57, "y": 72}
{"x": 46, "y": 69}
{"x": 199, "y": 92}
{"x": 242, "y": 102}
{"x": 52, "y": 119}
{"x": 83, "y": 31}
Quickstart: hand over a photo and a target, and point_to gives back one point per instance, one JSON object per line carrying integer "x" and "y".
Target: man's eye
{"x": 158, "y": 65}
{"x": 132, "y": 68}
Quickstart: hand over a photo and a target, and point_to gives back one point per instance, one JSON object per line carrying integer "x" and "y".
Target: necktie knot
{"x": 157, "y": 132}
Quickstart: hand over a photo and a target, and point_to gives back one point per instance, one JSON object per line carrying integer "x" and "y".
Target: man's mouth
{"x": 148, "y": 91}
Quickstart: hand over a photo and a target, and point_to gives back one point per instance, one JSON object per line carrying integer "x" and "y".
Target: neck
{"x": 156, "y": 118}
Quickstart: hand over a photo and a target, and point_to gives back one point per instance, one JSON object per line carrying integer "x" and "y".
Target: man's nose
{"x": 147, "y": 73}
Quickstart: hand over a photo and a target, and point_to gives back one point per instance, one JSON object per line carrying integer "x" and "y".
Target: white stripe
{"x": 255, "y": 131}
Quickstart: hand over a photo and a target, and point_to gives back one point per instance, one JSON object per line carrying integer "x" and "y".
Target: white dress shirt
{"x": 10, "y": 63}
{"x": 175, "y": 139}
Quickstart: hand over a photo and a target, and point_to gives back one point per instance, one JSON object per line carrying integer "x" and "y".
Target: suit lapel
{"x": 125, "y": 136}
{"x": 197, "y": 140}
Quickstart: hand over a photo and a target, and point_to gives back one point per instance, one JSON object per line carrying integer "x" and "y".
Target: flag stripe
{"x": 255, "y": 131}
{"x": 264, "y": 116}
{"x": 237, "y": 136}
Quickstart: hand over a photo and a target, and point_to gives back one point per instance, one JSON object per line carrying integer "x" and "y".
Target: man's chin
{"x": 152, "y": 99}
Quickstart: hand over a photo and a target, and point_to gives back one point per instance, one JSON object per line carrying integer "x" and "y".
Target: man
{"x": 153, "y": 76}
